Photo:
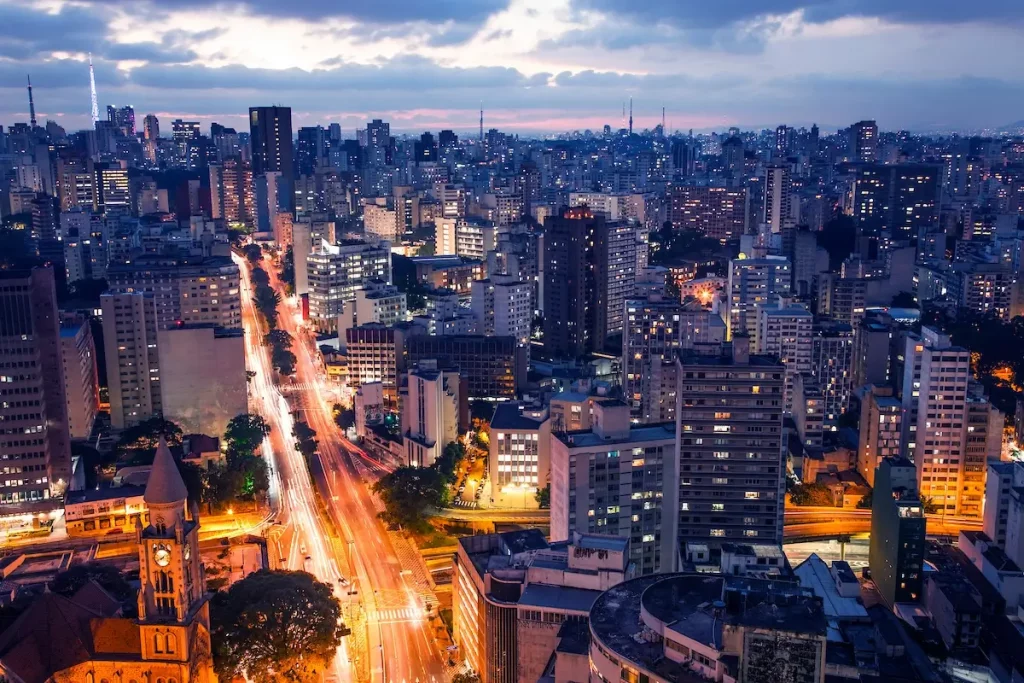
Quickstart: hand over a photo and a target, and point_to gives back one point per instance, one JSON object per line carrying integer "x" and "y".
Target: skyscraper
{"x": 778, "y": 202}
{"x": 35, "y": 439}
{"x": 270, "y": 135}
{"x": 590, "y": 268}
{"x": 864, "y": 141}
{"x": 729, "y": 432}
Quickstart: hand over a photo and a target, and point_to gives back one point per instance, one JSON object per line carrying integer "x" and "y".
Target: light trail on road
{"x": 400, "y": 646}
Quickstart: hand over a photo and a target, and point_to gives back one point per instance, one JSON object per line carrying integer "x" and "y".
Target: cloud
{"x": 27, "y": 32}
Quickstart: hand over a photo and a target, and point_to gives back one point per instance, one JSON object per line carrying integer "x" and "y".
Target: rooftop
{"x": 111, "y": 493}
{"x": 637, "y": 434}
{"x": 559, "y": 597}
{"x": 508, "y": 416}
{"x": 815, "y": 574}
{"x": 602, "y": 542}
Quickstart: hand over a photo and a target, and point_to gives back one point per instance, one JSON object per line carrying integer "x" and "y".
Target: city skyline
{"x": 534, "y": 67}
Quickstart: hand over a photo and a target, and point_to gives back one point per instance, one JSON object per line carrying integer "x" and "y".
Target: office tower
{"x": 898, "y": 528}
{"x": 752, "y": 283}
{"x": 310, "y": 150}
{"x": 872, "y": 341}
{"x": 881, "y": 414}
{"x": 778, "y": 199}
{"x": 491, "y": 367}
{"x": 425, "y": 149}
{"x": 842, "y": 299}
{"x": 717, "y": 212}
{"x": 151, "y": 128}
{"x": 789, "y": 645}
{"x": 270, "y": 136}
{"x": 899, "y": 200}
{"x": 656, "y": 328}
{"x": 378, "y": 354}
{"x": 111, "y": 189}
{"x": 784, "y": 331}
{"x": 864, "y": 141}
{"x": 618, "y": 479}
{"x": 335, "y": 272}
{"x": 81, "y": 377}
{"x": 501, "y": 305}
{"x": 832, "y": 368}
{"x": 232, "y": 194}
{"x": 430, "y": 419}
{"x": 590, "y": 268}
{"x": 185, "y": 290}
{"x": 514, "y": 595}
{"x": 133, "y": 364}
{"x": 269, "y": 200}
{"x": 731, "y": 461}
{"x": 203, "y": 381}
{"x": 733, "y": 154}
{"x": 123, "y": 118}
{"x": 519, "y": 463}
{"x": 34, "y": 406}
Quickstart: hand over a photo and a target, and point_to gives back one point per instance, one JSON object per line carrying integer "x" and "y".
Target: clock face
{"x": 161, "y": 555}
{"x": 188, "y": 552}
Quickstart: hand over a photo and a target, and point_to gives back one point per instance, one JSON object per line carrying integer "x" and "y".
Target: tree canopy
{"x": 143, "y": 438}
{"x": 408, "y": 491}
{"x": 245, "y": 433}
{"x": 275, "y": 626}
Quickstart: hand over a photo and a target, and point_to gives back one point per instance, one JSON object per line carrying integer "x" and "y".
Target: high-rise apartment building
{"x": 721, "y": 213}
{"x": 784, "y": 331}
{"x": 81, "y": 377}
{"x": 185, "y": 290}
{"x": 501, "y": 305}
{"x": 656, "y": 328}
{"x": 842, "y": 299}
{"x": 898, "y": 199}
{"x": 898, "y": 527}
{"x": 430, "y": 421}
{"x": 336, "y": 271}
{"x": 232, "y": 192}
{"x": 864, "y": 141}
{"x": 589, "y": 270}
{"x": 34, "y": 441}
{"x": 270, "y": 137}
{"x": 881, "y": 414}
{"x": 618, "y": 479}
{"x": 731, "y": 460}
{"x": 130, "y": 323}
{"x": 753, "y": 283}
{"x": 778, "y": 199}
{"x": 832, "y": 368}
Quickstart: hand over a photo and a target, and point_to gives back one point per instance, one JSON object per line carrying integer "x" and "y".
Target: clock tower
{"x": 173, "y": 612}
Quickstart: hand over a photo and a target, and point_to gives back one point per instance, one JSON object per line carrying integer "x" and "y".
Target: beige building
{"x": 881, "y": 415}
{"x": 513, "y": 593}
{"x": 81, "y": 381}
{"x": 336, "y": 272}
{"x": 203, "y": 382}
{"x": 133, "y": 363}
{"x": 105, "y": 512}
{"x": 430, "y": 419}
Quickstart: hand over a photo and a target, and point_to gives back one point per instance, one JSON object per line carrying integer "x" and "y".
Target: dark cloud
{"x": 26, "y": 32}
{"x": 700, "y": 14}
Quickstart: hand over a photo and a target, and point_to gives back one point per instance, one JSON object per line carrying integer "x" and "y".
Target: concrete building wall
{"x": 203, "y": 383}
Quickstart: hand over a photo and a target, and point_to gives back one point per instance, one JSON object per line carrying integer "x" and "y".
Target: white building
{"x": 520, "y": 460}
{"x": 377, "y": 302}
{"x": 621, "y": 480}
{"x": 379, "y": 219}
{"x": 133, "y": 365}
{"x": 501, "y": 306}
{"x": 337, "y": 271}
{"x": 430, "y": 418}
{"x": 81, "y": 381}
{"x": 466, "y": 237}
{"x": 754, "y": 282}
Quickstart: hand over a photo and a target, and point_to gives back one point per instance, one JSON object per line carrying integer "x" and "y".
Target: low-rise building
{"x": 101, "y": 512}
{"x": 520, "y": 459}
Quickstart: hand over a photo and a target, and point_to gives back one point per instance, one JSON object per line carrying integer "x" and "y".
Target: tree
{"x": 543, "y": 497}
{"x": 812, "y": 495}
{"x": 278, "y": 338}
{"x": 144, "y": 437}
{"x": 253, "y": 253}
{"x": 466, "y": 677}
{"x": 72, "y": 579}
{"x": 288, "y": 269}
{"x": 344, "y": 418}
{"x": 866, "y": 501}
{"x": 275, "y": 626}
{"x": 904, "y": 300}
{"x": 449, "y": 461}
{"x": 305, "y": 439}
{"x": 245, "y": 433}
{"x": 408, "y": 491}
{"x": 284, "y": 360}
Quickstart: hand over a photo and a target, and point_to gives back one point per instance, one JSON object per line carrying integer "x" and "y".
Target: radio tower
{"x": 92, "y": 88}
{"x": 664, "y": 131}
{"x": 481, "y": 123}
{"x": 31, "y": 104}
{"x": 631, "y": 115}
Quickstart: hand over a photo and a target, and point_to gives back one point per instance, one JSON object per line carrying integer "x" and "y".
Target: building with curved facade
{"x": 677, "y": 628}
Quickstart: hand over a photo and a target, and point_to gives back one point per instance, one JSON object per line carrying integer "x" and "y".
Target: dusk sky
{"x": 534, "y": 65}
